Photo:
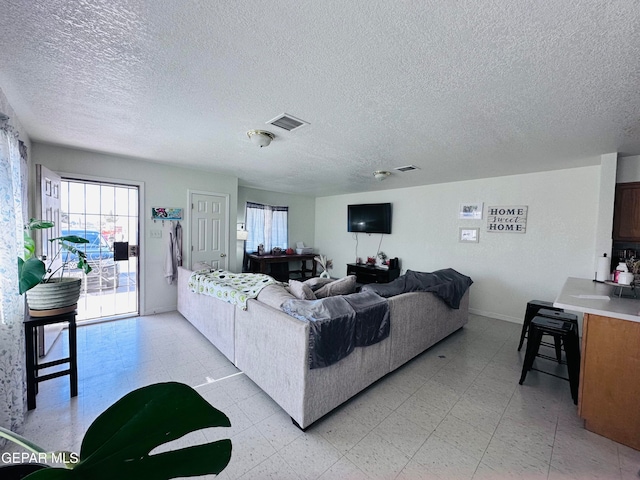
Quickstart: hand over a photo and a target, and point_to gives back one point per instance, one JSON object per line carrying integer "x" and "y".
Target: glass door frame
{"x": 141, "y": 237}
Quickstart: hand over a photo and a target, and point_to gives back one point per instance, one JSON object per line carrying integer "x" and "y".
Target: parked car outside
{"x": 105, "y": 271}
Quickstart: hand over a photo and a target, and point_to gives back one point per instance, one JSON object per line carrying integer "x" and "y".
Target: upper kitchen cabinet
{"x": 626, "y": 218}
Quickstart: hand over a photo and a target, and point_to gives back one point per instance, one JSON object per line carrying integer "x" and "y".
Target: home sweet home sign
{"x": 507, "y": 219}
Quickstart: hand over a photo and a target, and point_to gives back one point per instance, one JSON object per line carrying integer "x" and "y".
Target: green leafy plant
{"x": 118, "y": 444}
{"x": 32, "y": 270}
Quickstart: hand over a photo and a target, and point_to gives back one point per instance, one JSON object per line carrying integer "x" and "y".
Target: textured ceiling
{"x": 461, "y": 89}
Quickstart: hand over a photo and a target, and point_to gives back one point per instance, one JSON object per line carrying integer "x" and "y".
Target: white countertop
{"x": 588, "y": 296}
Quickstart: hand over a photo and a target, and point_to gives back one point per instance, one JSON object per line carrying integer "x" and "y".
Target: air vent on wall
{"x": 406, "y": 168}
{"x": 287, "y": 122}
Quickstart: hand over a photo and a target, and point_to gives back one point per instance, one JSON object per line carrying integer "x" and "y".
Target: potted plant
{"x": 48, "y": 290}
{"x": 325, "y": 264}
{"x": 123, "y": 441}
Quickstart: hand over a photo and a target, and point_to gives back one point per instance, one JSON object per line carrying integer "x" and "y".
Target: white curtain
{"x": 267, "y": 225}
{"x": 12, "y": 389}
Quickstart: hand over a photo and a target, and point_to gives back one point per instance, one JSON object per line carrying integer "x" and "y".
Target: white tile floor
{"x": 455, "y": 412}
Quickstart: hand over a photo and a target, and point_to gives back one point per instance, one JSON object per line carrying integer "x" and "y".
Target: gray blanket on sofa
{"x": 447, "y": 284}
{"x": 341, "y": 323}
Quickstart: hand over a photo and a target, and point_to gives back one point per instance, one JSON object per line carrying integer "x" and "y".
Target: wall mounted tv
{"x": 369, "y": 218}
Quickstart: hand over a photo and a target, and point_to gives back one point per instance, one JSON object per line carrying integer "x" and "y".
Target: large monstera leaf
{"x": 118, "y": 443}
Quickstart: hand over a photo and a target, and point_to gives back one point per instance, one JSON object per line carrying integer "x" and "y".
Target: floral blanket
{"x": 234, "y": 288}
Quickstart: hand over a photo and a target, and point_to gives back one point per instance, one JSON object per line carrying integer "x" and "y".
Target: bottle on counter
{"x": 622, "y": 267}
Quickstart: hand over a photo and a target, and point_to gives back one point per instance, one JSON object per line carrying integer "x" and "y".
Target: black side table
{"x": 31, "y": 348}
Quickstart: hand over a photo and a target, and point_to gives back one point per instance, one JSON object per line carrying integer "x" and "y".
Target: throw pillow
{"x": 316, "y": 282}
{"x": 301, "y": 291}
{"x": 342, "y": 286}
{"x": 274, "y": 295}
{"x": 201, "y": 266}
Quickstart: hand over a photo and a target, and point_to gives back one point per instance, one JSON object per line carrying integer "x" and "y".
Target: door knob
{"x": 223, "y": 255}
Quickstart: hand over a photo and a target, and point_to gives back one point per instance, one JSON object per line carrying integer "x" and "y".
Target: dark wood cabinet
{"x": 626, "y": 217}
{"x": 367, "y": 274}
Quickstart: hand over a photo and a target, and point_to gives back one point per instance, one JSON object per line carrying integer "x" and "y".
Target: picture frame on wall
{"x": 166, "y": 213}
{"x": 471, "y": 211}
{"x": 469, "y": 235}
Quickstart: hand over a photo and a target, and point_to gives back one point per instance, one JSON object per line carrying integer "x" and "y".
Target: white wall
{"x": 508, "y": 269}
{"x": 606, "y": 197}
{"x": 301, "y": 214}
{"x": 163, "y": 186}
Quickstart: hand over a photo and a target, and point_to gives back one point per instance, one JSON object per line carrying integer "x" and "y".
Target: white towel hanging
{"x": 169, "y": 269}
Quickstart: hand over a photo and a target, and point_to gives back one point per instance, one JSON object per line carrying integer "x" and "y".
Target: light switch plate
{"x": 155, "y": 233}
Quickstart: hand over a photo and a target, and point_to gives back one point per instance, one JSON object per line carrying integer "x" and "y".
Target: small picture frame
{"x": 469, "y": 235}
{"x": 166, "y": 213}
{"x": 471, "y": 211}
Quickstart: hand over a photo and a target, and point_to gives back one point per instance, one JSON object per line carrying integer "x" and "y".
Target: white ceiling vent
{"x": 406, "y": 168}
{"x": 287, "y": 122}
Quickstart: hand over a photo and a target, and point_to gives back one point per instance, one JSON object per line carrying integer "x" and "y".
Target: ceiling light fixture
{"x": 260, "y": 138}
{"x": 381, "y": 174}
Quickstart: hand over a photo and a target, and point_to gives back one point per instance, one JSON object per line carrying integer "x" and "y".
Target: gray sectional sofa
{"x": 272, "y": 347}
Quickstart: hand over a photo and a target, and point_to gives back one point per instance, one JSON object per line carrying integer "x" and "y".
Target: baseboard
{"x": 497, "y": 316}
{"x": 157, "y": 310}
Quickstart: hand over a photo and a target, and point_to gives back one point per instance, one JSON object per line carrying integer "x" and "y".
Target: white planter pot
{"x": 55, "y": 294}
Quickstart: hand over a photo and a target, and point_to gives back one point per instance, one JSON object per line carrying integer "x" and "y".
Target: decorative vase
{"x": 325, "y": 274}
{"x": 55, "y": 294}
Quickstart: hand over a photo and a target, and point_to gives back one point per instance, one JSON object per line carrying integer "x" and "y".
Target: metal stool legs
{"x": 32, "y": 365}
{"x": 532, "y": 310}
{"x": 565, "y": 331}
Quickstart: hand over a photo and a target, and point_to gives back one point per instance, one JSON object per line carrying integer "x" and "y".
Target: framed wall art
{"x": 471, "y": 211}
{"x": 507, "y": 219}
{"x": 469, "y": 235}
{"x": 166, "y": 213}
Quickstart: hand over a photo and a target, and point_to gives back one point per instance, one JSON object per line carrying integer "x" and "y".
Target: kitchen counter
{"x": 586, "y": 296}
{"x": 610, "y": 359}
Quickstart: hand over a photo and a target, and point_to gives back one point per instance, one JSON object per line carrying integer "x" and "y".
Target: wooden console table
{"x": 259, "y": 263}
{"x": 367, "y": 274}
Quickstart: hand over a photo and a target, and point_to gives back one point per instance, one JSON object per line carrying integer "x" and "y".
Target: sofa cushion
{"x": 201, "y": 266}
{"x": 316, "y": 282}
{"x": 342, "y": 286}
{"x": 301, "y": 291}
{"x": 274, "y": 295}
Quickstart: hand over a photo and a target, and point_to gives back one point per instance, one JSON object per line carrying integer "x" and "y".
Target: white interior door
{"x": 48, "y": 204}
{"x": 208, "y": 230}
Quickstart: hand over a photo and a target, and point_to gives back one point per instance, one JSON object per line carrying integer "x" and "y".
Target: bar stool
{"x": 557, "y": 344}
{"x": 567, "y": 332}
{"x": 532, "y": 310}
{"x": 31, "y": 348}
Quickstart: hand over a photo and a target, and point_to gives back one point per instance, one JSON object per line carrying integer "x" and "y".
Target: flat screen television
{"x": 369, "y": 218}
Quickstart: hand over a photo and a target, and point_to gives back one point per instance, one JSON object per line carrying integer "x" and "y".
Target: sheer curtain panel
{"x": 267, "y": 225}
{"x": 12, "y": 173}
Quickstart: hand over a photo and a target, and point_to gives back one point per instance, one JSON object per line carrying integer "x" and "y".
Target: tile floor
{"x": 454, "y": 412}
